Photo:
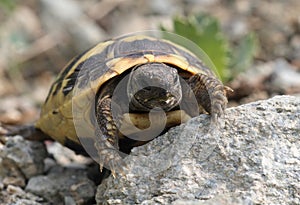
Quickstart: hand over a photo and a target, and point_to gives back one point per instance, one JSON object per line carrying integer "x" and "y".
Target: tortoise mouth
{"x": 152, "y": 97}
{"x": 154, "y": 85}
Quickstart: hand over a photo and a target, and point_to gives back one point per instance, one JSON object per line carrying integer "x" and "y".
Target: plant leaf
{"x": 205, "y": 32}
{"x": 244, "y": 53}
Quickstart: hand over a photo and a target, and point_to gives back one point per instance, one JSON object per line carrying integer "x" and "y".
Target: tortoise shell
{"x": 99, "y": 65}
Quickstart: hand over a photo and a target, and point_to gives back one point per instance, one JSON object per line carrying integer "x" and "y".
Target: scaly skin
{"x": 210, "y": 94}
{"x": 106, "y": 141}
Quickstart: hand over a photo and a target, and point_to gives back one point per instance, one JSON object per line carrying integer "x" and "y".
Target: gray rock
{"x": 67, "y": 17}
{"x": 16, "y": 196}
{"x": 253, "y": 159}
{"x": 277, "y": 76}
{"x": 22, "y": 161}
{"x": 166, "y": 7}
{"x": 21, "y": 158}
{"x": 285, "y": 77}
{"x": 66, "y": 185}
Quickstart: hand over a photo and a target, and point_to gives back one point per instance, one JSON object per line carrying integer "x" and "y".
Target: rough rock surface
{"x": 63, "y": 185}
{"x": 29, "y": 176}
{"x": 253, "y": 159}
{"x": 20, "y": 160}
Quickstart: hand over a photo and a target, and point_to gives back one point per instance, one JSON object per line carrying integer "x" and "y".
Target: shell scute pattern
{"x": 95, "y": 67}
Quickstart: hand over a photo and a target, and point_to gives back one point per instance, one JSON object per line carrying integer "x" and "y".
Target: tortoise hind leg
{"x": 210, "y": 94}
{"x": 106, "y": 141}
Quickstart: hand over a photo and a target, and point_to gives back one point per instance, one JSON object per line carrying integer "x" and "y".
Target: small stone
{"x": 63, "y": 184}
{"x": 161, "y": 7}
{"x": 14, "y": 189}
{"x": 285, "y": 76}
{"x": 23, "y": 155}
{"x": 17, "y": 181}
{"x": 69, "y": 200}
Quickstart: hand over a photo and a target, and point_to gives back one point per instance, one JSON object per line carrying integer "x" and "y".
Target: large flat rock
{"x": 253, "y": 159}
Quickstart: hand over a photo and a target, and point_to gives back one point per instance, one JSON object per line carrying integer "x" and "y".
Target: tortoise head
{"x": 154, "y": 85}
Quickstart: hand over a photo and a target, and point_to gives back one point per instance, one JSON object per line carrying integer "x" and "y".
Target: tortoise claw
{"x": 218, "y": 104}
{"x": 101, "y": 166}
{"x": 110, "y": 158}
{"x": 211, "y": 94}
{"x": 118, "y": 166}
{"x": 218, "y": 101}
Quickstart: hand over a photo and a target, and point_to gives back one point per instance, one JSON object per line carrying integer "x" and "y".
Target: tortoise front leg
{"x": 210, "y": 94}
{"x": 106, "y": 141}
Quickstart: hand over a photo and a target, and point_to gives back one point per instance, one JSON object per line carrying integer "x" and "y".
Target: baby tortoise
{"x": 155, "y": 73}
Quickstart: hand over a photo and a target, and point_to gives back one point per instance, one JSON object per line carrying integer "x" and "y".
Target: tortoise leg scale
{"x": 210, "y": 94}
{"x": 106, "y": 141}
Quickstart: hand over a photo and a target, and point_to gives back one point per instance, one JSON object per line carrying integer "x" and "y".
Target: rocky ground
{"x": 255, "y": 160}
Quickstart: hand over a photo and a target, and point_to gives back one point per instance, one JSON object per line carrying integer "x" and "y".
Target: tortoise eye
{"x": 147, "y": 88}
{"x": 176, "y": 79}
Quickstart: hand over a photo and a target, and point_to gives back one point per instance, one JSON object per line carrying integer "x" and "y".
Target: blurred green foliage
{"x": 7, "y": 5}
{"x": 243, "y": 54}
{"x": 205, "y": 31}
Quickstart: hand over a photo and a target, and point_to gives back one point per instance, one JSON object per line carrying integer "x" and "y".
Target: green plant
{"x": 7, "y": 5}
{"x": 205, "y": 31}
{"x": 243, "y": 54}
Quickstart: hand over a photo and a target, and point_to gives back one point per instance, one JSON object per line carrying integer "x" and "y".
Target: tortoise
{"x": 157, "y": 73}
